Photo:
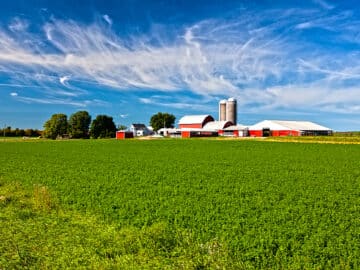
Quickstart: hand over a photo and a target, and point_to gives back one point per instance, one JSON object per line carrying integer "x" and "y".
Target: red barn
{"x": 194, "y": 121}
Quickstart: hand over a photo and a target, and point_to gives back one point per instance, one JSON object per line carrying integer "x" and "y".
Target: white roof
{"x": 169, "y": 129}
{"x": 236, "y": 127}
{"x": 196, "y": 130}
{"x": 193, "y": 119}
{"x": 215, "y": 125}
{"x": 287, "y": 125}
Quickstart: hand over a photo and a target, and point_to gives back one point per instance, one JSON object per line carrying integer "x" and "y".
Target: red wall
{"x": 255, "y": 133}
{"x": 185, "y": 134}
{"x": 120, "y": 135}
{"x": 275, "y": 133}
{"x": 199, "y": 125}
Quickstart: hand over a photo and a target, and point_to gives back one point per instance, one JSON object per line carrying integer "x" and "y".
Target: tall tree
{"x": 161, "y": 120}
{"x": 57, "y": 125}
{"x": 102, "y": 127}
{"x": 121, "y": 127}
{"x": 79, "y": 123}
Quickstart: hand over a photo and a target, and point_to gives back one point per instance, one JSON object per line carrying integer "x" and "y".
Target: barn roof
{"x": 236, "y": 127}
{"x": 193, "y": 119}
{"x": 288, "y": 125}
{"x": 217, "y": 125}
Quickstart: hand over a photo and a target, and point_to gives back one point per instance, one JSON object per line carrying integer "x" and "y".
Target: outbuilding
{"x": 216, "y": 125}
{"x": 124, "y": 134}
{"x": 235, "y": 131}
{"x": 197, "y": 132}
{"x": 195, "y": 121}
{"x": 268, "y": 128}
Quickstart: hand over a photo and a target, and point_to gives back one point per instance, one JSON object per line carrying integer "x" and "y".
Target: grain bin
{"x": 231, "y": 110}
{"x": 222, "y": 110}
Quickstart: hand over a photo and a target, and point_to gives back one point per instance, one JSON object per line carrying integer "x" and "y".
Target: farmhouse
{"x": 140, "y": 130}
{"x": 268, "y": 128}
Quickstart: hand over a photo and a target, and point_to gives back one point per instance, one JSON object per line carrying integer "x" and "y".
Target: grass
{"x": 179, "y": 204}
{"x": 337, "y": 139}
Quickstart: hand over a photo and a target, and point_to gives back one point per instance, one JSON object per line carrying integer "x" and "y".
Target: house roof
{"x": 288, "y": 125}
{"x": 194, "y": 119}
{"x": 217, "y": 125}
{"x": 139, "y": 126}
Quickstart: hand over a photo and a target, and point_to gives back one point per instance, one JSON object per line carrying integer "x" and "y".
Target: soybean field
{"x": 179, "y": 204}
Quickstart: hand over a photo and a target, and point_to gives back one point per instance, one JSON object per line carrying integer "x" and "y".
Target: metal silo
{"x": 231, "y": 110}
{"x": 222, "y": 110}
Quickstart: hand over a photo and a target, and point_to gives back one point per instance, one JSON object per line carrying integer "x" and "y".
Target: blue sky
{"x": 288, "y": 60}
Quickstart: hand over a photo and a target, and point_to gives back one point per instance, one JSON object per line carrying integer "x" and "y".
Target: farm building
{"x": 235, "y": 131}
{"x": 228, "y": 110}
{"x": 195, "y": 121}
{"x": 197, "y": 132}
{"x": 124, "y": 134}
{"x": 170, "y": 132}
{"x": 201, "y": 126}
{"x": 216, "y": 125}
{"x": 287, "y": 128}
{"x": 140, "y": 130}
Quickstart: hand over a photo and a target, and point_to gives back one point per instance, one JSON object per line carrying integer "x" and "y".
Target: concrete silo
{"x": 231, "y": 110}
{"x": 222, "y": 110}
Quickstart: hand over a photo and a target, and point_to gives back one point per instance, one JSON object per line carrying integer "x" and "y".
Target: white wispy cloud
{"x": 64, "y": 79}
{"x": 324, "y": 4}
{"x": 107, "y": 19}
{"x": 61, "y": 101}
{"x": 13, "y": 94}
{"x": 259, "y": 63}
{"x": 17, "y": 24}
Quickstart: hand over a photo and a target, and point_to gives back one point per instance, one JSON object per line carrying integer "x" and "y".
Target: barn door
{"x": 266, "y": 132}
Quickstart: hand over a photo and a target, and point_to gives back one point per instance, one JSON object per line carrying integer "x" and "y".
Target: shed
{"x": 288, "y": 128}
{"x": 235, "y": 131}
{"x": 124, "y": 134}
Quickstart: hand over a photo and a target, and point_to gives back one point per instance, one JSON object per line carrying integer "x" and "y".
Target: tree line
{"x": 79, "y": 125}
{"x": 17, "y": 132}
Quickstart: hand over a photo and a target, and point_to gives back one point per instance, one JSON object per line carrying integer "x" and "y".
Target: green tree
{"x": 79, "y": 123}
{"x": 102, "y": 127}
{"x": 57, "y": 125}
{"x": 161, "y": 120}
{"x": 122, "y": 127}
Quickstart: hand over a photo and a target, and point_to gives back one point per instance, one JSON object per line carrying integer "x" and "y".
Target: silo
{"x": 231, "y": 110}
{"x": 222, "y": 110}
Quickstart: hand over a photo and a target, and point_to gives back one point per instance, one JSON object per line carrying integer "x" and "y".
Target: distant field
{"x": 179, "y": 204}
{"x": 336, "y": 139}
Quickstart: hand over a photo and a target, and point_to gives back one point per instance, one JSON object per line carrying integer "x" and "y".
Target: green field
{"x": 179, "y": 204}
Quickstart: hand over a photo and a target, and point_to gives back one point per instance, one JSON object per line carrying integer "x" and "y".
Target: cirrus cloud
{"x": 254, "y": 56}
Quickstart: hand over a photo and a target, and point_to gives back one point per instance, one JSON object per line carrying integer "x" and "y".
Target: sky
{"x": 129, "y": 59}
